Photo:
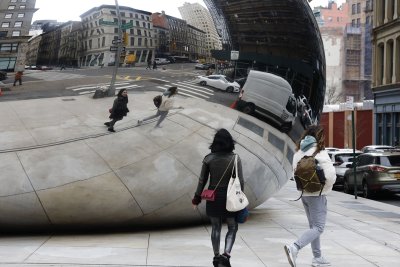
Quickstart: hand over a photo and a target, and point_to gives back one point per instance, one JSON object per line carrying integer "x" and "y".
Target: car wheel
{"x": 248, "y": 108}
{"x": 229, "y": 89}
{"x": 346, "y": 187}
{"x": 203, "y": 83}
{"x": 366, "y": 192}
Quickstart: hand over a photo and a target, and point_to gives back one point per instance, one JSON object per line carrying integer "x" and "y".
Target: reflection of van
{"x": 269, "y": 95}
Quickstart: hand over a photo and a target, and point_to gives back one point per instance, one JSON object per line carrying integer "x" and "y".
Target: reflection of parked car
{"x": 241, "y": 81}
{"x": 44, "y": 68}
{"x": 269, "y": 95}
{"x": 161, "y": 61}
{"x": 3, "y": 75}
{"x": 375, "y": 172}
{"x": 371, "y": 148}
{"x": 204, "y": 66}
{"x": 219, "y": 81}
{"x": 341, "y": 158}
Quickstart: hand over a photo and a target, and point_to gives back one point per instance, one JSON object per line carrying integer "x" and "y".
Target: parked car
{"x": 221, "y": 82}
{"x": 3, "y": 75}
{"x": 375, "y": 172}
{"x": 161, "y": 61}
{"x": 270, "y": 96}
{"x": 372, "y": 148}
{"x": 204, "y": 66}
{"x": 331, "y": 149}
{"x": 44, "y": 68}
{"x": 341, "y": 158}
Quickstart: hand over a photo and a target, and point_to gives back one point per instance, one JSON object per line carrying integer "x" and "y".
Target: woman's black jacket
{"x": 119, "y": 108}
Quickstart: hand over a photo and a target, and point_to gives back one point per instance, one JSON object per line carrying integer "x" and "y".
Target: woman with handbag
{"x": 118, "y": 110}
{"x": 219, "y": 165}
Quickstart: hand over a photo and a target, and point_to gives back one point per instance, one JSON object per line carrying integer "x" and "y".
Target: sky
{"x": 63, "y": 11}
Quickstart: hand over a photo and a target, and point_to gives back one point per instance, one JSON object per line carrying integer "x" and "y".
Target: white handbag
{"x": 235, "y": 199}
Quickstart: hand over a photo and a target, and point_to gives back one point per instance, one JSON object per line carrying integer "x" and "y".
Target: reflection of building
{"x": 33, "y": 49}
{"x": 161, "y": 41}
{"x": 198, "y": 16}
{"x": 15, "y": 22}
{"x": 196, "y": 43}
{"x": 71, "y": 41}
{"x": 178, "y": 45}
{"x": 386, "y": 71}
{"x": 276, "y": 36}
{"x": 100, "y": 28}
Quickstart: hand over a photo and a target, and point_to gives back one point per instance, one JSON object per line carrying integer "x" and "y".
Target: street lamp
{"x": 111, "y": 88}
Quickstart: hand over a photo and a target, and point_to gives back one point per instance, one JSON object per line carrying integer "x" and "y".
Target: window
{"x": 139, "y": 41}
{"x": 18, "y": 24}
{"x": 113, "y": 13}
{"x": 358, "y": 8}
{"x": 11, "y": 7}
{"x": 22, "y": 7}
{"x": 137, "y": 23}
{"x": 132, "y": 41}
{"x": 13, "y": 1}
{"x": 23, "y": 1}
{"x": 21, "y": 15}
{"x": 358, "y": 22}
{"x": 16, "y": 33}
{"x": 139, "y": 32}
{"x": 8, "y": 16}
{"x": 3, "y": 33}
{"x": 8, "y": 47}
{"x": 5, "y": 25}
{"x": 353, "y": 9}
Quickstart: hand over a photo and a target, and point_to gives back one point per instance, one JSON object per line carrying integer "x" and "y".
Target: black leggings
{"x": 216, "y": 223}
{"x": 112, "y": 122}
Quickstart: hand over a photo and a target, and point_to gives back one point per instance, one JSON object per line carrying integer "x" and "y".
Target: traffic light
{"x": 125, "y": 38}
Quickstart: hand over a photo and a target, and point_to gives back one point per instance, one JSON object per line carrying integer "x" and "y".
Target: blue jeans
{"x": 316, "y": 209}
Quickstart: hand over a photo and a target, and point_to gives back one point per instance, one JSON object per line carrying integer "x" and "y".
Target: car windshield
{"x": 389, "y": 161}
{"x": 345, "y": 157}
{"x": 229, "y": 79}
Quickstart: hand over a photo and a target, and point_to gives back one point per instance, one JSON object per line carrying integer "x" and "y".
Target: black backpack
{"x": 157, "y": 101}
{"x": 309, "y": 176}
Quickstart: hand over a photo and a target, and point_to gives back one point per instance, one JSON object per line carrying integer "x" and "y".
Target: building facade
{"x": 197, "y": 43}
{"x": 332, "y": 21}
{"x": 15, "y": 22}
{"x": 100, "y": 29}
{"x": 386, "y": 71}
{"x": 198, "y": 16}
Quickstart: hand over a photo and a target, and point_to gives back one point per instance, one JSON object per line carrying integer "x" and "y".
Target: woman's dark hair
{"x": 172, "y": 90}
{"x": 318, "y": 133}
{"x": 120, "y": 92}
{"x": 223, "y": 142}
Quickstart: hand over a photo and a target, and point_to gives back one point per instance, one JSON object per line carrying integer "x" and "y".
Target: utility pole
{"x": 111, "y": 88}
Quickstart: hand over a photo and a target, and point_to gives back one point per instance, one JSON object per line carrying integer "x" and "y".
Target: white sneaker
{"x": 321, "y": 261}
{"x": 291, "y": 253}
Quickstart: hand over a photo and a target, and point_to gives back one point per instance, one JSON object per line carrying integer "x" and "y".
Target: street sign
{"x": 127, "y": 26}
{"x": 350, "y": 102}
{"x": 115, "y": 49}
{"x": 108, "y": 23}
{"x": 234, "y": 55}
{"x": 116, "y": 41}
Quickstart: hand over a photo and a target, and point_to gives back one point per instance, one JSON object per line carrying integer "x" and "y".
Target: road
{"x": 71, "y": 82}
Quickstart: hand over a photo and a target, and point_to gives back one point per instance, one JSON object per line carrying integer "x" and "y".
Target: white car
{"x": 341, "y": 158}
{"x": 161, "y": 61}
{"x": 220, "y": 82}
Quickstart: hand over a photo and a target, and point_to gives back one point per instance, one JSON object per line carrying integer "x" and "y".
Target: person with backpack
{"x": 118, "y": 110}
{"x": 315, "y": 203}
{"x": 167, "y": 103}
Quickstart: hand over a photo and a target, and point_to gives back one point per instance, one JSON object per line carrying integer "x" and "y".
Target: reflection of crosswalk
{"x": 91, "y": 88}
{"x": 190, "y": 89}
{"x": 54, "y": 75}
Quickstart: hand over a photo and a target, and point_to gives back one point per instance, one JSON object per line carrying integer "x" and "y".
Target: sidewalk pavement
{"x": 359, "y": 233}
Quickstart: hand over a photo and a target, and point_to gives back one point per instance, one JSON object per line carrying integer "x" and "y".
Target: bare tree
{"x": 332, "y": 96}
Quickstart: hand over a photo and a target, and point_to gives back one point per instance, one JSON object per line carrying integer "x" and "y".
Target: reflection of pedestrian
{"x": 217, "y": 166}
{"x": 167, "y": 103}
{"x": 118, "y": 110}
{"x": 148, "y": 64}
{"x": 18, "y": 77}
{"x": 315, "y": 204}
{"x": 154, "y": 65}
{"x": 62, "y": 67}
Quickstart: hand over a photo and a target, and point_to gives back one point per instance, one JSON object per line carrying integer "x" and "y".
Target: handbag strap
{"x": 227, "y": 167}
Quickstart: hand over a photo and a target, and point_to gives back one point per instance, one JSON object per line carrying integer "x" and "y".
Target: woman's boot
{"x": 225, "y": 260}
{"x": 216, "y": 260}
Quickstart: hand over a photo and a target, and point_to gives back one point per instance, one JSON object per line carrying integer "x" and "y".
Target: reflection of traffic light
{"x": 125, "y": 38}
